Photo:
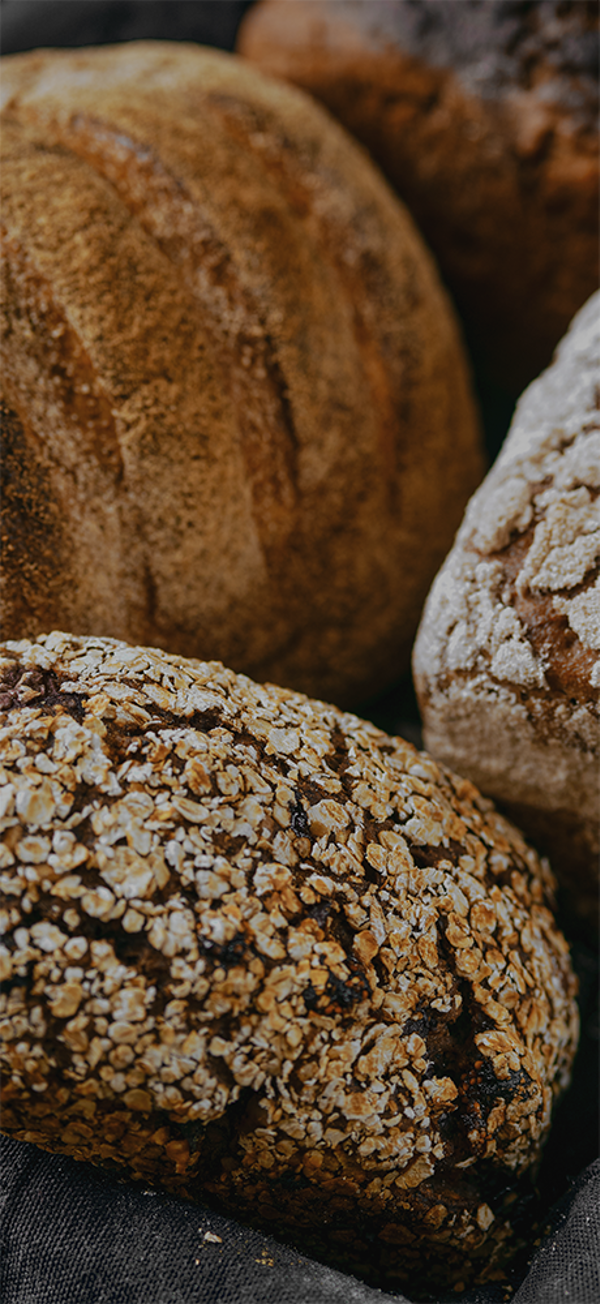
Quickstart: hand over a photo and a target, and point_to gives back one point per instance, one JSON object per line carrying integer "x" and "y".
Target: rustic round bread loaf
{"x": 238, "y": 421}
{"x": 484, "y": 117}
{"x": 507, "y": 659}
{"x": 260, "y": 951}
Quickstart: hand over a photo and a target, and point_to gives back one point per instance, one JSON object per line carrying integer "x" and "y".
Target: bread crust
{"x": 259, "y": 951}
{"x": 484, "y": 118}
{"x": 233, "y": 365}
{"x": 507, "y": 658}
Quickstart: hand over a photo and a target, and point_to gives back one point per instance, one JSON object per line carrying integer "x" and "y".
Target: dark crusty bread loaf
{"x": 238, "y": 418}
{"x": 257, "y": 949}
{"x": 507, "y": 659}
{"x": 483, "y": 114}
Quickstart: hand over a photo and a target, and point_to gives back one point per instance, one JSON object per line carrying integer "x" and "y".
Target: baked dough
{"x": 507, "y": 659}
{"x": 261, "y": 952}
{"x": 239, "y": 421}
{"x": 484, "y": 116}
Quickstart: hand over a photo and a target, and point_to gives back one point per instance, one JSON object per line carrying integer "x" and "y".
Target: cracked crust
{"x": 233, "y": 366}
{"x": 484, "y": 117}
{"x": 258, "y": 950}
{"x": 507, "y": 659}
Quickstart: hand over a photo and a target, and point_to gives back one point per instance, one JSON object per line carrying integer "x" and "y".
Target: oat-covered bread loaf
{"x": 260, "y": 951}
{"x": 238, "y": 420}
{"x": 507, "y": 660}
{"x": 483, "y": 114}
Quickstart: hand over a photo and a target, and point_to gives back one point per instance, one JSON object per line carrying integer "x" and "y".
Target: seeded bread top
{"x": 213, "y": 885}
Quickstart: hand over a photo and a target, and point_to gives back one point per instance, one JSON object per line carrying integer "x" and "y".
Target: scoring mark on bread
{"x": 34, "y": 550}
{"x": 175, "y": 219}
{"x": 354, "y": 260}
{"x": 66, "y": 374}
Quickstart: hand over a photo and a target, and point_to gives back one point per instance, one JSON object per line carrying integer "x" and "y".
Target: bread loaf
{"x": 507, "y": 659}
{"x": 485, "y": 118}
{"x": 238, "y": 421}
{"x": 261, "y": 952}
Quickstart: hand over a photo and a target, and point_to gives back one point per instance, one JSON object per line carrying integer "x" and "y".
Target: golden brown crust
{"x": 485, "y": 122}
{"x": 258, "y": 949}
{"x": 31, "y": 528}
{"x": 259, "y": 347}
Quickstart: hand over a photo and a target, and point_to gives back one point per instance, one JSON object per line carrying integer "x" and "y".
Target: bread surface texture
{"x": 238, "y": 421}
{"x": 507, "y": 659}
{"x": 484, "y": 118}
{"x": 261, "y": 952}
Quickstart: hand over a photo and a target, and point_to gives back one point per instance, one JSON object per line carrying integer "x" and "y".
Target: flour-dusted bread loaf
{"x": 507, "y": 659}
{"x": 483, "y": 114}
{"x": 258, "y": 950}
{"x": 238, "y": 422}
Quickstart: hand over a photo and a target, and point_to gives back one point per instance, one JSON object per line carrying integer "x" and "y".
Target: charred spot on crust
{"x": 224, "y": 953}
{"x": 299, "y": 820}
{"x": 319, "y": 912}
{"x": 426, "y": 856}
{"x": 218, "y": 1140}
{"x": 338, "y": 993}
{"x": 37, "y": 687}
{"x": 491, "y": 1088}
{"x": 420, "y": 1023}
{"x": 16, "y": 980}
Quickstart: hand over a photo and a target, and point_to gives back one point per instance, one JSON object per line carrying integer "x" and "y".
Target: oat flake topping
{"x": 256, "y": 948}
